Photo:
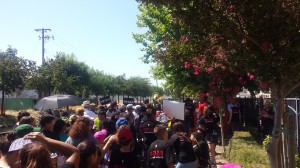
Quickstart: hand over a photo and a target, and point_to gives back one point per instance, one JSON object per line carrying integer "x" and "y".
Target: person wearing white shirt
{"x": 87, "y": 110}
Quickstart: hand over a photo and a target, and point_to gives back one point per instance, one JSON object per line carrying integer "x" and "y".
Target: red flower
{"x": 196, "y": 68}
{"x": 231, "y": 7}
{"x": 196, "y": 72}
{"x": 251, "y": 77}
{"x": 187, "y": 65}
{"x": 241, "y": 81}
{"x": 244, "y": 41}
{"x": 184, "y": 38}
{"x": 265, "y": 45}
{"x": 263, "y": 84}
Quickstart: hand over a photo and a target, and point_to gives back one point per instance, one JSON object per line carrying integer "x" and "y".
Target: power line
{"x": 69, "y": 45}
{"x": 47, "y": 37}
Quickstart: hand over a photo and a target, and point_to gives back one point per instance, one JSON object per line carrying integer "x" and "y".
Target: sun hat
{"x": 86, "y": 103}
{"x": 24, "y": 129}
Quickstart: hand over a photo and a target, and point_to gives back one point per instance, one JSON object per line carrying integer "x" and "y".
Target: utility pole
{"x": 43, "y": 41}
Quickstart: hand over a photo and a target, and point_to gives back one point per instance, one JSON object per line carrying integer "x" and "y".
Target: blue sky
{"x": 98, "y": 32}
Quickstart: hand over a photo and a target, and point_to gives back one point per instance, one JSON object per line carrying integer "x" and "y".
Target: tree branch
{"x": 291, "y": 89}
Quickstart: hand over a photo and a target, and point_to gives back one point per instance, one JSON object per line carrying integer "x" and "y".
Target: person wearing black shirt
{"x": 235, "y": 117}
{"x": 267, "y": 119}
{"x": 160, "y": 152}
{"x": 200, "y": 147}
{"x": 189, "y": 115}
{"x": 148, "y": 132}
{"x": 183, "y": 147}
{"x": 124, "y": 157}
{"x": 209, "y": 122}
{"x": 148, "y": 129}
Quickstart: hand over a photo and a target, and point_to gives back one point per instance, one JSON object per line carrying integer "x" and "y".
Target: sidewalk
{"x": 219, "y": 158}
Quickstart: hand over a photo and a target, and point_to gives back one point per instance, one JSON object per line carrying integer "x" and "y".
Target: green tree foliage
{"x": 14, "y": 71}
{"x": 254, "y": 40}
{"x": 41, "y": 79}
{"x": 138, "y": 86}
{"x": 97, "y": 85}
{"x": 64, "y": 74}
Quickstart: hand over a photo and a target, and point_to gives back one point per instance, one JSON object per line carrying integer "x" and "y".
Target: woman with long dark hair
{"x": 209, "y": 122}
{"x": 90, "y": 154}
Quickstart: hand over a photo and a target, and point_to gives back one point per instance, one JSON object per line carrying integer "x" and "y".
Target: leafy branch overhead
{"x": 260, "y": 38}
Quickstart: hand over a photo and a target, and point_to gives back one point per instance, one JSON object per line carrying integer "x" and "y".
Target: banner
{"x": 105, "y": 100}
{"x": 128, "y": 101}
{"x": 174, "y": 109}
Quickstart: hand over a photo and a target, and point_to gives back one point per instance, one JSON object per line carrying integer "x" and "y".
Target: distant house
{"x": 246, "y": 94}
{"x": 22, "y": 94}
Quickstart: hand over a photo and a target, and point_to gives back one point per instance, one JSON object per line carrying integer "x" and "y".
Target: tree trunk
{"x": 292, "y": 140}
{"x": 2, "y": 104}
{"x": 284, "y": 140}
{"x": 221, "y": 112}
{"x": 274, "y": 148}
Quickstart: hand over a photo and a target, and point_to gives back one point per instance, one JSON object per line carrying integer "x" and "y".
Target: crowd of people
{"x": 115, "y": 136}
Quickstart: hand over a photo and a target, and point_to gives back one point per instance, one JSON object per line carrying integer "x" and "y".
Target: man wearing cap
{"x": 112, "y": 109}
{"x": 87, "y": 110}
{"x": 24, "y": 129}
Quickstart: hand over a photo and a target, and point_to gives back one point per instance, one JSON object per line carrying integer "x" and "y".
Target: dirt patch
{"x": 10, "y": 119}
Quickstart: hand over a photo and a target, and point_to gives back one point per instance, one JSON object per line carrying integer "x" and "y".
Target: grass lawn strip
{"x": 245, "y": 151}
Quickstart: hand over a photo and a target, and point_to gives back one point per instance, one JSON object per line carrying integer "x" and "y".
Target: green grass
{"x": 245, "y": 151}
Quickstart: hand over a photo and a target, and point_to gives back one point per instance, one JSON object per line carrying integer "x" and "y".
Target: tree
{"x": 258, "y": 39}
{"x": 41, "y": 79}
{"x": 97, "y": 85}
{"x": 69, "y": 75}
{"x": 121, "y": 85}
{"x": 139, "y": 86}
{"x": 14, "y": 71}
{"x": 64, "y": 74}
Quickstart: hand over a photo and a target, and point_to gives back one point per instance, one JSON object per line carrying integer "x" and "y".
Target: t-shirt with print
{"x": 148, "y": 130}
{"x": 120, "y": 159}
{"x": 160, "y": 154}
{"x": 183, "y": 148}
{"x": 207, "y": 123}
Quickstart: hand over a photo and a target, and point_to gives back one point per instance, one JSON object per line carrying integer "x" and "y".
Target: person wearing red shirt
{"x": 202, "y": 105}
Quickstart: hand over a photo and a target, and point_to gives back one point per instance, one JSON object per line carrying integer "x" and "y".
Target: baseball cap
{"x": 124, "y": 133}
{"x": 24, "y": 129}
{"x": 137, "y": 107}
{"x": 100, "y": 112}
{"x": 18, "y": 144}
{"x": 129, "y": 106}
{"x": 121, "y": 121}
